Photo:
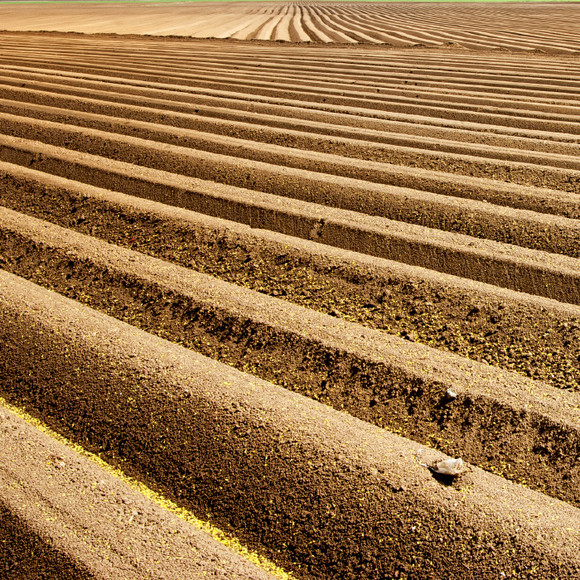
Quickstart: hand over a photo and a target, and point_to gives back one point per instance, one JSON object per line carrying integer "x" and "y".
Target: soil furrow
{"x": 470, "y": 63}
{"x": 113, "y": 530}
{"x": 268, "y": 127}
{"x": 300, "y": 178}
{"x": 279, "y": 283}
{"x": 25, "y": 554}
{"x": 518, "y": 332}
{"x": 344, "y": 115}
{"x": 306, "y": 164}
{"x": 526, "y": 119}
{"x": 417, "y": 77}
{"x": 325, "y": 358}
{"x": 177, "y": 97}
{"x": 496, "y": 163}
{"x": 375, "y": 67}
{"x": 365, "y": 86}
{"x": 210, "y": 435}
{"x": 55, "y": 93}
{"x": 548, "y": 30}
{"x": 546, "y": 274}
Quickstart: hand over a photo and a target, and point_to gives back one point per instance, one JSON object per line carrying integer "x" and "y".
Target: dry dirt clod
{"x": 452, "y": 467}
{"x": 449, "y": 467}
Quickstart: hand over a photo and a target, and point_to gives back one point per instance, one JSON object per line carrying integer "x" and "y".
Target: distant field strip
{"x": 517, "y": 26}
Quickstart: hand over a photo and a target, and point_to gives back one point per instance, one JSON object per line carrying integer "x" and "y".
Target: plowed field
{"x": 276, "y": 281}
{"x": 538, "y": 27}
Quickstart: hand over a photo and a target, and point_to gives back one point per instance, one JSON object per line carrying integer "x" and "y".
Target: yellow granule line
{"x": 225, "y": 539}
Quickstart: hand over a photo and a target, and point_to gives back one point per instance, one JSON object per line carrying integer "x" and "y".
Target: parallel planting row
{"x": 526, "y": 26}
{"x": 285, "y": 280}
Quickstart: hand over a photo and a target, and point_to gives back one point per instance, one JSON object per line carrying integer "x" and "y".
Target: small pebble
{"x": 451, "y": 467}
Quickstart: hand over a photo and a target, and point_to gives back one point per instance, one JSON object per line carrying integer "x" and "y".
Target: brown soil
{"x": 26, "y": 556}
{"x": 113, "y": 531}
{"x": 327, "y": 495}
{"x": 371, "y": 246}
{"x": 246, "y": 331}
{"x": 509, "y": 331}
